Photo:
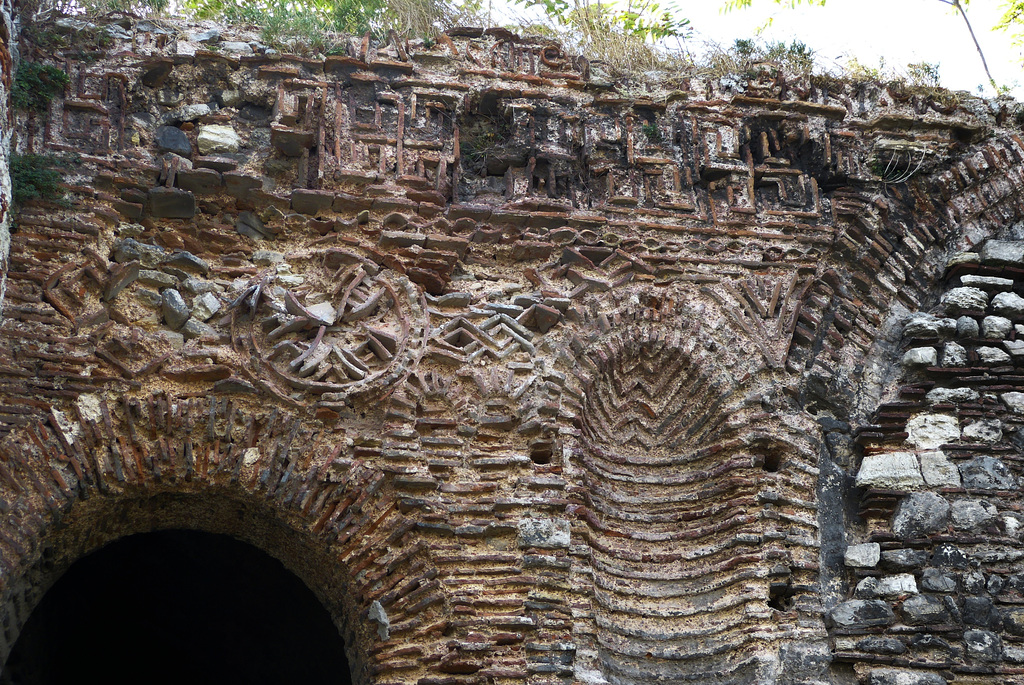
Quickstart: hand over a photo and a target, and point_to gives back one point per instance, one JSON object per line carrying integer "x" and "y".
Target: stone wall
{"x": 530, "y": 376}
{"x": 8, "y": 53}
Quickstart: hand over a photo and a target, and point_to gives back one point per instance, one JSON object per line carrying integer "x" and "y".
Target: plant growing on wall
{"x": 314, "y": 20}
{"x": 38, "y": 177}
{"x": 44, "y": 9}
{"x": 645, "y": 20}
{"x": 36, "y": 84}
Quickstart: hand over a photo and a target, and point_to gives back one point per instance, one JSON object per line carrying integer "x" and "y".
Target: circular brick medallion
{"x": 336, "y": 325}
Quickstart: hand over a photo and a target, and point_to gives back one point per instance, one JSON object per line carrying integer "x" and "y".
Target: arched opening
{"x": 178, "y": 606}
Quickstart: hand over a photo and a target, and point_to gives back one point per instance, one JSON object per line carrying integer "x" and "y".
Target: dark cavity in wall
{"x": 178, "y": 607}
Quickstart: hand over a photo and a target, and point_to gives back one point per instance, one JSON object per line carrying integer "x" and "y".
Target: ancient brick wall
{"x": 528, "y": 375}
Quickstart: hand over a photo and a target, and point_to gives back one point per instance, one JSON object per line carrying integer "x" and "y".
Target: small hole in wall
{"x": 780, "y": 596}
{"x": 772, "y": 461}
{"x": 540, "y": 452}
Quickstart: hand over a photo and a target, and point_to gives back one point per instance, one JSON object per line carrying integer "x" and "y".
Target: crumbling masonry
{"x": 531, "y": 377}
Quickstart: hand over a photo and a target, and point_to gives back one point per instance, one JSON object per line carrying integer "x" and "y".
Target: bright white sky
{"x": 901, "y": 31}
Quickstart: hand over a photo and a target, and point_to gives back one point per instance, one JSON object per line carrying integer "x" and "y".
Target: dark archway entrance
{"x": 178, "y": 607}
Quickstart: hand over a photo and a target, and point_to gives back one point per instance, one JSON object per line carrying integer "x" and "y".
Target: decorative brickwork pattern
{"x": 530, "y": 378}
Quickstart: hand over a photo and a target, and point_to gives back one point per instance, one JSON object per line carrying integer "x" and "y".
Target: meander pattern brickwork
{"x": 531, "y": 376}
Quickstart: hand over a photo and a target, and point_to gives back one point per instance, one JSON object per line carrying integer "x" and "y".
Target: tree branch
{"x": 957, "y": 4}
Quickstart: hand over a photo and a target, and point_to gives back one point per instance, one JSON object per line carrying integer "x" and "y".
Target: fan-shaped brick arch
{"x": 695, "y": 508}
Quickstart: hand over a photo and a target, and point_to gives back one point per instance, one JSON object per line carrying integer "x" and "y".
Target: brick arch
{"x": 680, "y": 475}
{"x": 70, "y": 486}
{"x": 888, "y": 256}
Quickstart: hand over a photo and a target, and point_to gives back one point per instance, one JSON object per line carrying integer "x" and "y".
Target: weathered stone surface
{"x": 992, "y": 355}
{"x": 862, "y": 613}
{"x": 214, "y": 138}
{"x": 988, "y": 282}
{"x": 174, "y": 339}
{"x": 173, "y": 139}
{"x": 923, "y": 325}
{"x": 926, "y": 610}
{"x": 208, "y": 36}
{"x": 543, "y": 532}
{"x": 983, "y": 644}
{"x": 865, "y": 555}
{"x": 1013, "y": 620}
{"x": 938, "y": 471}
{"x": 1010, "y": 305}
{"x": 171, "y": 203}
{"x": 121, "y": 279}
{"x": 986, "y": 431}
{"x": 921, "y": 356}
{"x": 970, "y": 514}
{"x": 186, "y": 113}
{"x": 928, "y": 431}
{"x": 1015, "y": 348}
{"x": 896, "y": 470}
{"x": 986, "y": 473}
{"x": 197, "y": 329}
{"x": 805, "y": 661}
{"x": 893, "y": 676}
{"x": 997, "y": 327}
{"x": 157, "y": 279}
{"x": 149, "y": 297}
{"x": 199, "y": 181}
{"x": 920, "y": 513}
{"x": 197, "y": 286}
{"x": 236, "y": 47}
{"x": 380, "y": 617}
{"x": 889, "y": 587}
{"x": 935, "y": 580}
{"x": 175, "y": 309}
{"x": 967, "y": 327}
{"x": 950, "y": 556}
{"x": 902, "y": 559}
{"x": 267, "y": 257}
{"x": 965, "y": 298}
{"x": 980, "y": 611}
{"x": 205, "y": 306}
{"x": 248, "y": 224}
{"x": 942, "y": 395}
{"x": 1014, "y": 401}
{"x": 323, "y": 313}
{"x": 187, "y": 261}
{"x": 954, "y": 354}
{"x": 881, "y": 645}
{"x": 129, "y": 249}
{"x": 1009, "y": 252}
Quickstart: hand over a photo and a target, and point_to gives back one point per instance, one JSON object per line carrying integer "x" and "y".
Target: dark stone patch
{"x": 927, "y": 610}
{"x": 173, "y": 139}
{"x": 987, "y": 473}
{"x": 862, "y": 613}
{"x": 171, "y": 203}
